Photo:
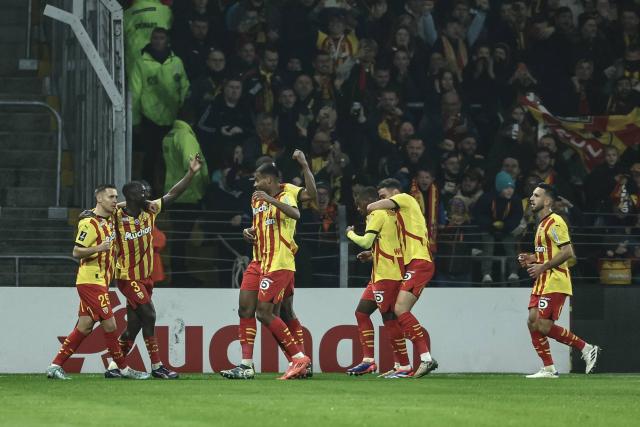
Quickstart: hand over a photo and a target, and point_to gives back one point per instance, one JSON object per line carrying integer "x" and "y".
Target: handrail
{"x": 19, "y": 257}
{"x": 18, "y": 102}
{"x": 28, "y": 48}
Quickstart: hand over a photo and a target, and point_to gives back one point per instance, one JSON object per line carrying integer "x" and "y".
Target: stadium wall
{"x": 472, "y": 330}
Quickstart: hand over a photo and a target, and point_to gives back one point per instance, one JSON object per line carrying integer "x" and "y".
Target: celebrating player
{"x": 134, "y": 224}
{"x": 277, "y": 215}
{"x": 248, "y": 298}
{"x": 419, "y": 267}
{"x": 549, "y": 268}
{"x": 94, "y": 247}
{"x": 381, "y": 236}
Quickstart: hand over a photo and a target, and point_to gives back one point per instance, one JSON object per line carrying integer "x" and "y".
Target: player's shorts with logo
{"x": 137, "y": 292}
{"x": 549, "y": 305}
{"x": 416, "y": 276}
{"x": 251, "y": 277}
{"x": 385, "y": 293}
{"x": 94, "y": 302}
{"x": 367, "y": 294}
{"x": 274, "y": 285}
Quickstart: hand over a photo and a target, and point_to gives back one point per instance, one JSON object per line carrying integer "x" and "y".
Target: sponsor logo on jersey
{"x": 541, "y": 249}
{"x": 136, "y": 235}
{"x": 261, "y": 208}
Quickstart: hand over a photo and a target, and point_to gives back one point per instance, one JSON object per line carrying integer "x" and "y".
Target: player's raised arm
{"x": 288, "y": 210}
{"x": 309, "y": 193}
{"x": 195, "y": 163}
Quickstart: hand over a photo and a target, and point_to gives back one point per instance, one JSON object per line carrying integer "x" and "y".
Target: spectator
{"x": 423, "y": 188}
{"x": 586, "y": 99}
{"x": 470, "y": 190}
{"x": 179, "y": 147}
{"x": 361, "y": 72}
{"x": 511, "y": 166}
{"x": 224, "y": 124}
{"x": 262, "y": 84}
{"x": 340, "y": 43}
{"x": 381, "y": 82}
{"x": 206, "y": 88}
{"x": 255, "y": 20}
{"x": 328, "y": 162}
{"x": 467, "y": 148}
{"x": 623, "y": 99}
{"x": 419, "y": 12}
{"x": 265, "y": 142}
{"x": 402, "y": 78}
{"x": 402, "y": 40}
{"x": 195, "y": 48}
{"x": 323, "y": 78}
{"x": 497, "y": 214}
{"x": 454, "y": 250}
{"x": 593, "y": 46}
{"x": 628, "y": 32}
{"x": 211, "y": 11}
{"x": 602, "y": 180}
{"x": 159, "y": 86}
{"x": 450, "y": 174}
{"x": 453, "y": 47}
{"x": 544, "y": 168}
{"x": 298, "y": 30}
{"x": 245, "y": 59}
{"x": 406, "y": 164}
{"x": 451, "y": 123}
{"x": 307, "y": 102}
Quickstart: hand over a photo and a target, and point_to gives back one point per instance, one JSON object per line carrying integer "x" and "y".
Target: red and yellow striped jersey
{"x": 551, "y": 235}
{"x": 258, "y": 214}
{"x": 98, "y": 268}
{"x": 412, "y": 228}
{"x": 135, "y": 243}
{"x": 274, "y": 235}
{"x": 387, "y": 253}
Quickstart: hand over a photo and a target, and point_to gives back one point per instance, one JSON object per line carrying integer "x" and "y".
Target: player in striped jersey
{"x": 278, "y": 213}
{"x": 96, "y": 251}
{"x": 248, "y": 297}
{"x": 419, "y": 268}
{"x": 134, "y": 222}
{"x": 549, "y": 268}
{"x": 381, "y": 237}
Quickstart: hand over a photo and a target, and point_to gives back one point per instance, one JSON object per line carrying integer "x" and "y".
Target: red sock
{"x": 283, "y": 335}
{"x": 69, "y": 346}
{"x": 366, "y": 333}
{"x": 152, "y": 349}
{"x": 247, "y": 334}
{"x": 565, "y": 336}
{"x": 412, "y": 329}
{"x": 284, "y": 351}
{"x": 398, "y": 343}
{"x": 296, "y": 329}
{"x": 125, "y": 346}
{"x": 111, "y": 340}
{"x": 541, "y": 345}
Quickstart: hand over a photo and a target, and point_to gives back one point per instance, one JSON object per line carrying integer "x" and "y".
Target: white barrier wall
{"x": 472, "y": 330}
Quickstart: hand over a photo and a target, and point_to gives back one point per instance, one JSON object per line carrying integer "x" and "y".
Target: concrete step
{"x": 22, "y": 233}
{"x": 31, "y": 213}
{"x": 17, "y": 177}
{"x": 28, "y": 197}
{"x": 38, "y": 272}
{"x": 28, "y": 141}
{"x": 27, "y": 159}
{"x": 12, "y": 33}
{"x": 13, "y": 49}
{"x": 14, "y": 15}
{"x": 21, "y": 85}
{"x": 25, "y": 122}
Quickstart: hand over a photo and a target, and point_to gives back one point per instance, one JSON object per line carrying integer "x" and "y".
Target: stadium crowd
{"x": 419, "y": 90}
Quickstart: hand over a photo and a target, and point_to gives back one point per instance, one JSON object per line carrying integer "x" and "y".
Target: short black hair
{"x": 268, "y": 169}
{"x": 367, "y": 193}
{"x": 549, "y": 190}
{"x": 390, "y": 183}
{"x": 100, "y": 188}
{"x": 130, "y": 186}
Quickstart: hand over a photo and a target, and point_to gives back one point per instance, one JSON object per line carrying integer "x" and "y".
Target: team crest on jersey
{"x": 543, "y": 303}
{"x": 379, "y": 296}
{"x": 140, "y": 295}
{"x": 265, "y": 284}
{"x": 105, "y": 309}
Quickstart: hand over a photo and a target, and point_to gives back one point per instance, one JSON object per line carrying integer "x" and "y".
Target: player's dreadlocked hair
{"x": 549, "y": 190}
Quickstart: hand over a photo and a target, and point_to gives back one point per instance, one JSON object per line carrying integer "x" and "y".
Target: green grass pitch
{"x": 326, "y": 400}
